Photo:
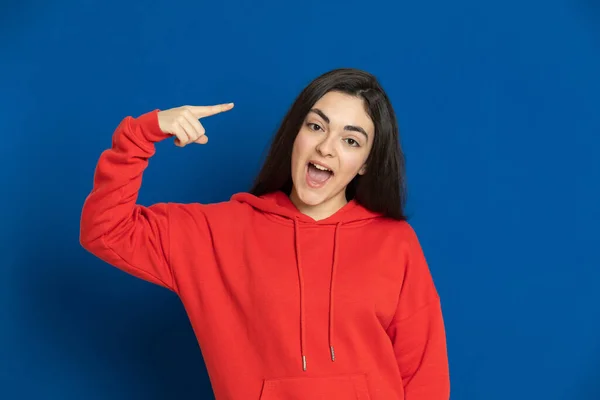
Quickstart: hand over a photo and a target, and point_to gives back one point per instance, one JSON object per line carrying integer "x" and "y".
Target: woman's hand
{"x": 183, "y": 122}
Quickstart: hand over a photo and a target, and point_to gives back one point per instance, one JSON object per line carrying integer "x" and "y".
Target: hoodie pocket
{"x": 339, "y": 387}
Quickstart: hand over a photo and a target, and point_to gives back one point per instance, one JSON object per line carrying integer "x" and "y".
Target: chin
{"x": 311, "y": 197}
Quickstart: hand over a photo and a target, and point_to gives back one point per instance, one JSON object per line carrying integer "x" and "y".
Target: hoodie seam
{"x": 133, "y": 267}
{"x": 395, "y": 320}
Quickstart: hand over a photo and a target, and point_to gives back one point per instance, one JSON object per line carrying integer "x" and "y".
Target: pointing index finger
{"x": 205, "y": 111}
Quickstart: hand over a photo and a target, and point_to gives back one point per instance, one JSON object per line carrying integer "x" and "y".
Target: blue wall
{"x": 499, "y": 111}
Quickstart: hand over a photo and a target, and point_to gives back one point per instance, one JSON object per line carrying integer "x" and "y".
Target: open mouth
{"x": 317, "y": 175}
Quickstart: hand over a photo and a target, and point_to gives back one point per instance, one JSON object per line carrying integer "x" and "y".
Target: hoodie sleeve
{"x": 417, "y": 331}
{"x": 113, "y": 227}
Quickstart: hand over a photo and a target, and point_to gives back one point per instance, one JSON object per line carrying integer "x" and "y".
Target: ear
{"x": 363, "y": 170}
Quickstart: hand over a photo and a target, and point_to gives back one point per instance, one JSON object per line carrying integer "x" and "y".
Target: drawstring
{"x": 331, "y": 293}
{"x": 301, "y": 281}
{"x": 331, "y": 289}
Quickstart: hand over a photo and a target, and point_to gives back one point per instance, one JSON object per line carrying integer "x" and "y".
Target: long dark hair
{"x": 382, "y": 188}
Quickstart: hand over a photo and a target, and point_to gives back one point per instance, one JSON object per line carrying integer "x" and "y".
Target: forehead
{"x": 343, "y": 109}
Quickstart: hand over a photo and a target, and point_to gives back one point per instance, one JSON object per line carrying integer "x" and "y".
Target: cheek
{"x": 298, "y": 152}
{"x": 351, "y": 163}
{"x": 301, "y": 146}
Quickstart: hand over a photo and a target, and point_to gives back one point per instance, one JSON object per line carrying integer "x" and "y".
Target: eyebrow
{"x": 347, "y": 127}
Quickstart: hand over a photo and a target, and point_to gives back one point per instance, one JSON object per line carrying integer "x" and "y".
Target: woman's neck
{"x": 322, "y": 210}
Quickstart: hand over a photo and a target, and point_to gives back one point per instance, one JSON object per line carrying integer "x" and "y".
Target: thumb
{"x": 202, "y": 140}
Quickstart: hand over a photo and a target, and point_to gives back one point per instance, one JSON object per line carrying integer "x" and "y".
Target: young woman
{"x": 310, "y": 286}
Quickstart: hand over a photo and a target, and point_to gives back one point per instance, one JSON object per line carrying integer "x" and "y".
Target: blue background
{"x": 498, "y": 104}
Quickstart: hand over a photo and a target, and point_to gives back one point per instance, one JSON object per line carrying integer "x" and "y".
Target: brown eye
{"x": 314, "y": 127}
{"x": 352, "y": 142}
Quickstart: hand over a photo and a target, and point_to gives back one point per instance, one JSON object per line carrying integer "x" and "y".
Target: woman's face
{"x": 330, "y": 149}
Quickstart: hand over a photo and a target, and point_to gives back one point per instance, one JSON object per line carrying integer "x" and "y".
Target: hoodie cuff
{"x": 149, "y": 126}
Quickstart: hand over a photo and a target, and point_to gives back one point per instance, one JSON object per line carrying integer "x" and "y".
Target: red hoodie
{"x": 284, "y": 307}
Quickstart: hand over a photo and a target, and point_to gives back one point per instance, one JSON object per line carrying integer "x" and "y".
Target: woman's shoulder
{"x": 397, "y": 232}
{"x": 398, "y": 226}
{"x": 226, "y": 210}
{"x": 207, "y": 209}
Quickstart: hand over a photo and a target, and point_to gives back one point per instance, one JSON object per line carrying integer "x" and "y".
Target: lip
{"x": 321, "y": 164}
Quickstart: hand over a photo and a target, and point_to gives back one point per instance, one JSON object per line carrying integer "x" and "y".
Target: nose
{"x": 326, "y": 147}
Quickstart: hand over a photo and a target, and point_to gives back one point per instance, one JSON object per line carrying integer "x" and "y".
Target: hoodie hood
{"x": 280, "y": 205}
